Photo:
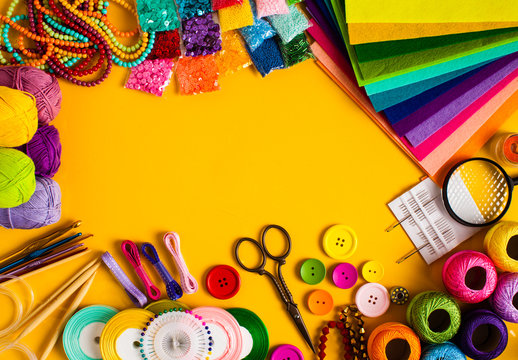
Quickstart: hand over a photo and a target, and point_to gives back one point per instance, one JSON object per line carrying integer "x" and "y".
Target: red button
{"x": 223, "y": 282}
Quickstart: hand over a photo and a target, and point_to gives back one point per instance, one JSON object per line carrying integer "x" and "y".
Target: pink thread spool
{"x": 505, "y": 298}
{"x": 469, "y": 276}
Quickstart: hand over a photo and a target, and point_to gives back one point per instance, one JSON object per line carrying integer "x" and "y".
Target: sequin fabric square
{"x": 201, "y": 36}
{"x": 261, "y": 30}
{"x": 233, "y": 55}
{"x": 167, "y": 45}
{"x": 267, "y": 57}
{"x": 151, "y": 20}
{"x": 296, "y": 51}
{"x": 221, "y": 4}
{"x": 151, "y": 76}
{"x": 236, "y": 16}
{"x": 197, "y": 75}
{"x": 289, "y": 25}
{"x": 271, "y": 7}
{"x": 191, "y": 8}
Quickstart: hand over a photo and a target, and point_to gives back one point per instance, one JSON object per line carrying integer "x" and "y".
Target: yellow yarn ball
{"x": 18, "y": 117}
{"x": 501, "y": 245}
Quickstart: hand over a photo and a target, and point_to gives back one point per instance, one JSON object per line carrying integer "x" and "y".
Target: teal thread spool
{"x": 255, "y": 326}
{"x": 435, "y": 316}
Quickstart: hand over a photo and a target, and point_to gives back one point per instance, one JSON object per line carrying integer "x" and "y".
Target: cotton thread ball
{"x": 501, "y": 244}
{"x": 469, "y": 276}
{"x": 18, "y": 117}
{"x": 43, "y": 86}
{"x": 45, "y": 150}
{"x": 17, "y": 179}
{"x": 505, "y": 298}
{"x": 395, "y": 341}
{"x": 446, "y": 350}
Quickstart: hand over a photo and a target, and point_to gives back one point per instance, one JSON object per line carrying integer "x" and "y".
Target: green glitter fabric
{"x": 152, "y": 20}
{"x": 296, "y": 51}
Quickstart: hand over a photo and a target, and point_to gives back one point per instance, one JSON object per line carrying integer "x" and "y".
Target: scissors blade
{"x": 297, "y": 318}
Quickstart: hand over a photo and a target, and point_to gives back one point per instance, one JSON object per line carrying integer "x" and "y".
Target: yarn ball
{"x": 379, "y": 346}
{"x": 45, "y": 150}
{"x": 505, "y": 298}
{"x": 44, "y": 208}
{"x": 501, "y": 244}
{"x": 446, "y": 350}
{"x": 18, "y": 117}
{"x": 17, "y": 179}
{"x": 43, "y": 86}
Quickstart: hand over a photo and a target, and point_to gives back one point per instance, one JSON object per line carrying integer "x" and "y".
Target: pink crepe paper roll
{"x": 469, "y": 276}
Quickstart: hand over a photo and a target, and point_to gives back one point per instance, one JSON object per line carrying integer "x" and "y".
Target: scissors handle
{"x": 281, "y": 259}
{"x": 260, "y": 268}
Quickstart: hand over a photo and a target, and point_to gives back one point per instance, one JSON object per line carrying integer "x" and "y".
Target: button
{"x": 320, "y": 302}
{"x": 287, "y": 352}
{"x": 372, "y": 300}
{"x": 223, "y": 282}
{"x": 345, "y": 275}
{"x": 373, "y": 271}
{"x": 312, "y": 271}
{"x": 399, "y": 295}
{"x": 340, "y": 242}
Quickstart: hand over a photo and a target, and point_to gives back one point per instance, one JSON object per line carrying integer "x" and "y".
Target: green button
{"x": 312, "y": 271}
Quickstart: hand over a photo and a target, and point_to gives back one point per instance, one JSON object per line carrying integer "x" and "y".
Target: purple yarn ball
{"x": 43, "y": 86}
{"x": 505, "y": 298}
{"x": 44, "y": 208}
{"x": 45, "y": 150}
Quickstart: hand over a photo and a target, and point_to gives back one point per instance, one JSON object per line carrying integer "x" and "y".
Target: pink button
{"x": 287, "y": 352}
{"x": 345, "y": 275}
{"x": 372, "y": 300}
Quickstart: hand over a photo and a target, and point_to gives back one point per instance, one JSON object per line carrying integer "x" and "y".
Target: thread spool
{"x": 434, "y": 316}
{"x": 393, "y": 341}
{"x": 45, "y": 150}
{"x": 256, "y": 341}
{"x": 399, "y": 295}
{"x": 43, "y": 86}
{"x": 505, "y": 298}
{"x": 17, "y": 179}
{"x": 44, "y": 208}
{"x": 446, "y": 350}
{"x": 501, "y": 244}
{"x": 469, "y": 276}
{"x": 18, "y": 117}
{"x": 82, "y": 333}
{"x": 505, "y": 148}
{"x": 482, "y": 335}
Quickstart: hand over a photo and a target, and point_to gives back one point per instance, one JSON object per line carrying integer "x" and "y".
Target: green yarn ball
{"x": 17, "y": 178}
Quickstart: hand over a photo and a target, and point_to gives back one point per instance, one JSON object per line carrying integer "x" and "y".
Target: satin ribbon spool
{"x": 225, "y": 330}
{"x": 136, "y": 296}
{"x": 469, "y": 276}
{"x": 444, "y": 351}
{"x": 393, "y": 341}
{"x": 506, "y": 149}
{"x": 120, "y": 338}
{"x": 82, "y": 333}
{"x": 256, "y": 341}
{"x": 501, "y": 244}
{"x": 434, "y": 316}
{"x": 159, "y": 306}
{"x": 174, "y": 291}
{"x": 505, "y": 297}
{"x": 172, "y": 243}
{"x": 482, "y": 335}
{"x": 131, "y": 252}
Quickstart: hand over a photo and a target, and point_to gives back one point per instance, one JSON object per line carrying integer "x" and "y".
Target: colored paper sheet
{"x": 427, "y": 120}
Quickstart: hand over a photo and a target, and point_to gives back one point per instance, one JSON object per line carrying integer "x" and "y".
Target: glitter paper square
{"x": 236, "y": 16}
{"x": 296, "y": 51}
{"x": 261, "y": 30}
{"x": 167, "y": 45}
{"x": 233, "y": 55}
{"x": 201, "y": 36}
{"x": 197, "y": 75}
{"x": 289, "y": 25}
{"x": 221, "y": 4}
{"x": 151, "y": 76}
{"x": 191, "y": 8}
{"x": 271, "y": 7}
{"x": 267, "y": 57}
{"x": 151, "y": 20}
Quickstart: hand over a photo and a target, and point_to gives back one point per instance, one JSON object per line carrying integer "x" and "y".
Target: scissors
{"x": 278, "y": 281}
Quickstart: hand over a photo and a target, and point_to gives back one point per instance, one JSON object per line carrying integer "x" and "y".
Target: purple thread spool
{"x": 482, "y": 335}
{"x": 45, "y": 150}
{"x": 505, "y": 298}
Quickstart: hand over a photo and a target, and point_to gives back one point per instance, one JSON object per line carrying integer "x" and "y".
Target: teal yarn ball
{"x": 17, "y": 178}
{"x": 434, "y": 316}
{"x": 443, "y": 351}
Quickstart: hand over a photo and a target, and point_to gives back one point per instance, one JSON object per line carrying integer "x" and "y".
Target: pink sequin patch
{"x": 151, "y": 76}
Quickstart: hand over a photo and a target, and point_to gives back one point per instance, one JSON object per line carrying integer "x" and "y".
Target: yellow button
{"x": 373, "y": 271}
{"x": 320, "y": 302}
{"x": 340, "y": 242}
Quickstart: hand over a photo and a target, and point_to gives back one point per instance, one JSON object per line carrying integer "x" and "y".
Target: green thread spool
{"x": 257, "y": 330}
{"x": 165, "y": 304}
{"x": 434, "y": 315}
{"x": 83, "y": 332}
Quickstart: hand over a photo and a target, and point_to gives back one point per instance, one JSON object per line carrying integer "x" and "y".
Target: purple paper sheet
{"x": 420, "y": 125}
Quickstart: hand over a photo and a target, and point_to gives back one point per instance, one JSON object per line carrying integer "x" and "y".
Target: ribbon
{"x": 174, "y": 291}
{"x": 130, "y": 251}
{"x": 172, "y": 242}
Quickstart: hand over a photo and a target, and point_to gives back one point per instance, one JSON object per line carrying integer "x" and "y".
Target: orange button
{"x": 320, "y": 302}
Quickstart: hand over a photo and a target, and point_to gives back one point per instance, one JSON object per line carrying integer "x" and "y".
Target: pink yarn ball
{"x": 462, "y": 281}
